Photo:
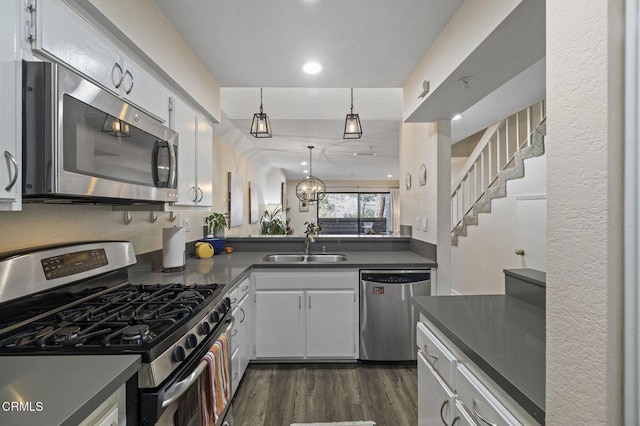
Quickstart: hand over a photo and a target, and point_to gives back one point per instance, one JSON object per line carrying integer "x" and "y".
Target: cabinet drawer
{"x": 483, "y": 406}
{"x": 434, "y": 351}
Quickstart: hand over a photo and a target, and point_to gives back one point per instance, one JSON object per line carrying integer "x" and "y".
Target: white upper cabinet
{"x": 195, "y": 156}
{"x": 204, "y": 161}
{"x": 66, "y": 37}
{"x": 10, "y": 105}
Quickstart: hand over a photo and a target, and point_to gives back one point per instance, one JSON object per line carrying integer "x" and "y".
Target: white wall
{"x": 585, "y": 97}
{"x": 227, "y": 159}
{"x": 299, "y": 218}
{"x": 428, "y": 144}
{"x": 479, "y": 259}
{"x": 418, "y": 145}
{"x": 469, "y": 27}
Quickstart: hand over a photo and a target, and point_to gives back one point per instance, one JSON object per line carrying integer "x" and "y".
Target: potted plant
{"x": 216, "y": 222}
{"x": 312, "y": 228}
{"x": 271, "y": 223}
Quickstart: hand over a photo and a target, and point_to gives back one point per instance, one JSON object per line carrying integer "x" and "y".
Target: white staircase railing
{"x": 495, "y": 152}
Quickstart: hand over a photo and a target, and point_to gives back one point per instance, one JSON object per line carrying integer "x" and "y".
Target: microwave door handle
{"x": 157, "y": 147}
{"x": 178, "y": 389}
{"x": 173, "y": 166}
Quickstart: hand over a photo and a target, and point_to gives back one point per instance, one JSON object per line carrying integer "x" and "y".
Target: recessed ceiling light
{"x": 304, "y": 163}
{"x": 312, "y": 68}
{"x": 305, "y": 171}
{"x": 389, "y": 175}
{"x": 456, "y": 117}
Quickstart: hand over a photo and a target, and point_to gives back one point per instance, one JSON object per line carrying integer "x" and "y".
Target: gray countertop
{"x": 68, "y": 387}
{"x": 502, "y": 335}
{"x": 71, "y": 387}
{"x": 230, "y": 268}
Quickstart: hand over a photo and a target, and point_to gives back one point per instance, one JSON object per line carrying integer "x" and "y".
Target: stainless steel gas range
{"x": 76, "y": 299}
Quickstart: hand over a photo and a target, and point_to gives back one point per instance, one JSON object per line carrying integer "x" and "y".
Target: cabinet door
{"x": 245, "y": 344}
{"x": 143, "y": 90}
{"x": 330, "y": 324}
{"x": 435, "y": 399}
{"x": 204, "y": 168}
{"x": 480, "y": 401}
{"x": 184, "y": 122}
{"x": 10, "y": 106}
{"x": 279, "y": 324}
{"x": 64, "y": 35}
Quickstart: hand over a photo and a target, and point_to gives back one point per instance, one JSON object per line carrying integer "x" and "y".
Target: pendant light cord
{"x": 352, "y": 100}
{"x": 261, "y": 101}
{"x": 310, "y": 162}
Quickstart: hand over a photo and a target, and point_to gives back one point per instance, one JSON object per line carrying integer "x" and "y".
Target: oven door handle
{"x": 178, "y": 389}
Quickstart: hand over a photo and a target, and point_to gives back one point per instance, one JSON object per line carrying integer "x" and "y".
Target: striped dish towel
{"x": 215, "y": 386}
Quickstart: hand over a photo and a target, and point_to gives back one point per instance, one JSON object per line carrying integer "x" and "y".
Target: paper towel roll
{"x": 173, "y": 248}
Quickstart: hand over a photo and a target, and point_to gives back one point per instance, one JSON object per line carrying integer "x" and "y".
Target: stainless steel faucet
{"x": 307, "y": 243}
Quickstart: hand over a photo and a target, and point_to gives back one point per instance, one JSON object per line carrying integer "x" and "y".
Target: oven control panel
{"x": 73, "y": 263}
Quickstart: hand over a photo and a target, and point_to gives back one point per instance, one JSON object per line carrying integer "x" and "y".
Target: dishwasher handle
{"x": 399, "y": 277}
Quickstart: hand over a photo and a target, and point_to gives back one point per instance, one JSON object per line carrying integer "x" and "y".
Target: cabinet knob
{"x": 520, "y": 252}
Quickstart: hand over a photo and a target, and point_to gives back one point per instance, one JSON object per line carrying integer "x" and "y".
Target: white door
{"x": 141, "y": 89}
{"x": 279, "y": 324}
{"x": 10, "y": 106}
{"x": 531, "y": 232}
{"x": 330, "y": 323}
{"x": 435, "y": 400}
{"x": 244, "y": 318}
{"x": 65, "y": 35}
{"x": 184, "y": 122}
{"x": 204, "y": 168}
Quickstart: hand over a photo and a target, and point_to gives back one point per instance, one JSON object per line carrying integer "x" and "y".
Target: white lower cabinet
{"x": 450, "y": 393}
{"x": 306, "y": 315}
{"x": 241, "y": 339}
{"x": 437, "y": 401}
{"x": 480, "y": 401}
{"x": 279, "y": 324}
{"x": 330, "y": 336}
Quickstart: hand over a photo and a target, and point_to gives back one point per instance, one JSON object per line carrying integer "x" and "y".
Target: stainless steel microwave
{"x": 82, "y": 143}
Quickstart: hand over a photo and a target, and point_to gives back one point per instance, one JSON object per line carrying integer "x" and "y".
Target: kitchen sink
{"x": 320, "y": 257}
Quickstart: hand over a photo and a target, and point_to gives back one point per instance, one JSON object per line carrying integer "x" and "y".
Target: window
{"x": 354, "y": 213}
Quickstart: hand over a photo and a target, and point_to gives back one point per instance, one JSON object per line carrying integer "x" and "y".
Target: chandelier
{"x": 311, "y": 189}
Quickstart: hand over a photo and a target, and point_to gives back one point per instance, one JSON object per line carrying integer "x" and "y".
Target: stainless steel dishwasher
{"x": 387, "y": 317}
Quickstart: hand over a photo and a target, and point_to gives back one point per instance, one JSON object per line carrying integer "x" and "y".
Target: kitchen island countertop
{"x": 66, "y": 389}
{"x": 502, "y": 335}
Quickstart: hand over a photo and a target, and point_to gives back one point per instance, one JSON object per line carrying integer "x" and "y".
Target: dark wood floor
{"x": 281, "y": 394}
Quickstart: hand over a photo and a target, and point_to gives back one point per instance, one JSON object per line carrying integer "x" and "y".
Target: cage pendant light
{"x": 311, "y": 189}
{"x": 261, "y": 126}
{"x": 352, "y": 127}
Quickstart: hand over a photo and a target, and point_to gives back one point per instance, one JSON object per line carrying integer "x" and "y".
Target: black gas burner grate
{"x": 132, "y": 316}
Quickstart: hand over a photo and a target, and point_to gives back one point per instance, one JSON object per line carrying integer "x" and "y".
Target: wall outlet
{"x": 186, "y": 224}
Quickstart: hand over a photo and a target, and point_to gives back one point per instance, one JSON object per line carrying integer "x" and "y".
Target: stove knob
{"x": 179, "y": 354}
{"x": 215, "y": 316}
{"x": 222, "y": 309}
{"x": 192, "y": 341}
{"x": 227, "y": 302}
{"x": 204, "y": 328}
